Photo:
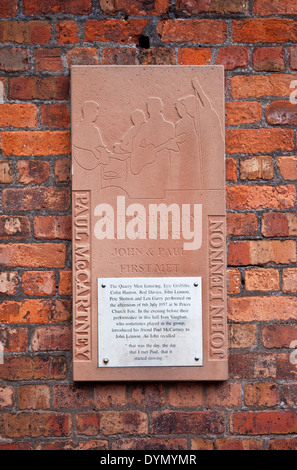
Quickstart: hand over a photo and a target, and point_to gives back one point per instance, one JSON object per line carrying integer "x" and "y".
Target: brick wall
{"x": 40, "y": 407}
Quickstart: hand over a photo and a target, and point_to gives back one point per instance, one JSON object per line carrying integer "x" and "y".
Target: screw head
{"x": 105, "y": 360}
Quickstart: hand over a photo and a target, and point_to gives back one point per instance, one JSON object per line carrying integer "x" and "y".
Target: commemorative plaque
{"x": 149, "y": 255}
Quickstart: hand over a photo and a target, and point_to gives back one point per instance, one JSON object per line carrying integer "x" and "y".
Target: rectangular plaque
{"x": 150, "y": 322}
{"x": 148, "y": 195}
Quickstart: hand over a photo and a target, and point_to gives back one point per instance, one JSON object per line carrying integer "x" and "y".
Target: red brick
{"x": 32, "y": 171}
{"x": 196, "y": 30}
{"x": 21, "y": 445}
{"x": 255, "y": 30}
{"x": 239, "y": 444}
{"x": 288, "y": 393}
{"x": 112, "y": 30}
{"x": 282, "y": 444}
{"x": 252, "y": 366}
{"x": 88, "y": 423}
{"x": 157, "y": 56}
{"x": 18, "y": 115}
{"x": 67, "y": 32}
{"x": 118, "y": 422}
{"x": 241, "y": 253}
{"x": 233, "y": 281}
{"x": 6, "y": 173}
{"x": 185, "y": 394}
{"x": 242, "y": 336}
{"x": 14, "y": 227}
{"x": 8, "y": 282}
{"x": 48, "y": 60}
{"x": 150, "y": 444}
{"x": 241, "y": 224}
{"x": 74, "y": 7}
{"x": 14, "y": 340}
{"x": 53, "y": 338}
{"x": 270, "y": 59}
{"x": 35, "y": 367}
{"x": 233, "y": 57}
{"x": 28, "y": 143}
{"x": 37, "y": 424}
{"x": 243, "y": 112}
{"x": 202, "y": 444}
{"x": 258, "y": 279}
{"x": 275, "y": 224}
{"x": 149, "y": 395}
{"x": 8, "y": 8}
{"x": 223, "y": 7}
{"x": 188, "y": 422}
{"x": 38, "y": 283}
{"x": 35, "y": 255}
{"x": 261, "y": 394}
{"x": 266, "y": 308}
{"x": 290, "y": 280}
{"x": 38, "y": 88}
{"x": 82, "y": 56}
{"x": 52, "y": 227}
{"x": 62, "y": 170}
{"x": 286, "y": 368}
{"x": 25, "y": 32}
{"x": 259, "y": 140}
{"x": 194, "y": 56}
{"x": 272, "y": 7}
{"x": 35, "y": 311}
{"x": 260, "y": 197}
{"x": 65, "y": 283}
{"x": 109, "y": 395}
{"x": 119, "y": 56}
{"x": 231, "y": 169}
{"x": 278, "y": 336}
{"x": 223, "y": 395}
{"x": 292, "y": 51}
{"x": 55, "y": 115}
{"x": 253, "y": 168}
{"x": 71, "y": 396}
{"x": 6, "y": 397}
{"x": 281, "y": 113}
{"x": 14, "y": 60}
{"x": 36, "y": 198}
{"x": 34, "y": 397}
{"x": 256, "y": 86}
{"x": 264, "y": 422}
{"x": 93, "y": 444}
{"x": 134, "y": 7}
{"x": 288, "y": 167}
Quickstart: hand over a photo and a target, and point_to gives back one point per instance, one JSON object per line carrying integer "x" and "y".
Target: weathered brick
{"x": 109, "y": 395}
{"x": 278, "y": 336}
{"x": 32, "y": 87}
{"x": 258, "y": 279}
{"x": 32, "y": 171}
{"x": 35, "y": 367}
{"x": 36, "y": 198}
{"x": 197, "y": 30}
{"x": 233, "y": 57}
{"x": 239, "y": 444}
{"x": 288, "y": 167}
{"x": 82, "y": 56}
{"x": 48, "y": 60}
{"x": 88, "y": 423}
{"x": 90, "y": 444}
{"x": 150, "y": 395}
{"x": 288, "y": 393}
{"x": 65, "y": 283}
{"x": 35, "y": 311}
{"x": 292, "y": 51}
{"x": 275, "y": 224}
{"x": 52, "y": 227}
{"x": 8, "y": 8}
{"x": 202, "y": 444}
{"x": 194, "y": 56}
{"x": 25, "y": 32}
{"x": 242, "y": 336}
{"x": 112, "y": 30}
{"x": 256, "y": 86}
{"x": 14, "y": 60}
{"x": 241, "y": 224}
{"x": 18, "y": 115}
{"x": 33, "y": 255}
{"x": 38, "y": 283}
{"x": 252, "y": 366}
{"x": 243, "y": 112}
{"x": 241, "y": 197}
{"x": 266, "y": 308}
{"x": 37, "y": 424}
{"x": 55, "y": 115}
{"x": 134, "y": 7}
{"x": 270, "y": 59}
{"x": 71, "y": 396}
{"x": 188, "y": 422}
{"x": 290, "y": 280}
{"x": 282, "y": 444}
{"x": 231, "y": 169}
{"x": 8, "y": 282}
{"x": 34, "y": 397}
{"x": 34, "y": 143}
{"x": 272, "y": 7}
{"x": 264, "y": 422}
{"x": 150, "y": 444}
{"x": 261, "y": 394}
{"x": 62, "y": 170}
{"x": 253, "y": 168}
{"x": 223, "y": 7}
{"x": 259, "y": 140}
{"x": 184, "y": 394}
{"x": 14, "y": 339}
{"x": 253, "y": 252}
{"x": 281, "y": 113}
{"x": 129, "y": 422}
{"x": 6, "y": 397}
{"x": 223, "y": 395}
{"x": 14, "y": 227}
{"x": 67, "y": 32}
{"x": 6, "y": 173}
{"x": 255, "y": 30}
{"x": 233, "y": 281}
{"x": 119, "y": 56}
{"x": 51, "y": 338}
{"x": 74, "y": 7}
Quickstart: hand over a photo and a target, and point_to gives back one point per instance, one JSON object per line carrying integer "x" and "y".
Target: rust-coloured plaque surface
{"x": 149, "y": 254}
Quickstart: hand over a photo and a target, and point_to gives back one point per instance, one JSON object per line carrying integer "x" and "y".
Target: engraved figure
{"x": 126, "y": 143}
